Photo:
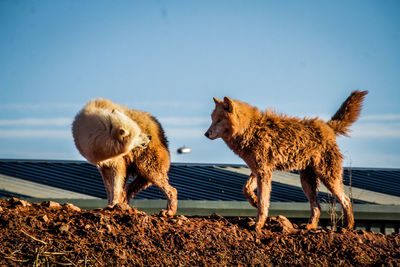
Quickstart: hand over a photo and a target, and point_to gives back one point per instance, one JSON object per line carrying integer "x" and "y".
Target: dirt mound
{"x": 50, "y": 233}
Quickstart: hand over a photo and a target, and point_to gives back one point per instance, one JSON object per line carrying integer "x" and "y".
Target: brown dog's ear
{"x": 216, "y": 100}
{"x": 228, "y": 104}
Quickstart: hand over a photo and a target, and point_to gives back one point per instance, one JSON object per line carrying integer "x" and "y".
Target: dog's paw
{"x": 118, "y": 206}
{"x": 308, "y": 226}
{"x": 167, "y": 213}
{"x": 145, "y": 141}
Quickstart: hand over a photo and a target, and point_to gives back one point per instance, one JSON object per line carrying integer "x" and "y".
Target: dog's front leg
{"x": 248, "y": 189}
{"x": 114, "y": 181}
{"x": 263, "y": 193}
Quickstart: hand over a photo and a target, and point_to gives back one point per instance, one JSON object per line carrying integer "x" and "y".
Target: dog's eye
{"x": 218, "y": 121}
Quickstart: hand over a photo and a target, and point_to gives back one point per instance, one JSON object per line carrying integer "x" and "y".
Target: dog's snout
{"x": 207, "y": 134}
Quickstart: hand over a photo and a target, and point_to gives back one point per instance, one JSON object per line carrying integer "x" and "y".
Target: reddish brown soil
{"x": 50, "y": 234}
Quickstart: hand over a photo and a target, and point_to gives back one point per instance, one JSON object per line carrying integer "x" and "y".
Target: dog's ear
{"x": 122, "y": 132}
{"x": 115, "y": 110}
{"x": 228, "y": 104}
{"x": 216, "y": 100}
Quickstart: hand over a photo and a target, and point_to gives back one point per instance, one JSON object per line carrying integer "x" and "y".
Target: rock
{"x": 285, "y": 223}
{"x": 71, "y": 207}
{"x": 180, "y": 219}
{"x": 216, "y": 216}
{"x": 18, "y": 202}
{"x": 64, "y": 228}
{"x": 109, "y": 228}
{"x": 184, "y": 218}
{"x": 51, "y": 204}
{"x": 25, "y": 203}
{"x": 13, "y": 200}
{"x": 44, "y": 218}
{"x": 280, "y": 224}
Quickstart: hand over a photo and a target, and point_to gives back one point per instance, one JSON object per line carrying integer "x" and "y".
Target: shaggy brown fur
{"x": 102, "y": 131}
{"x": 267, "y": 141}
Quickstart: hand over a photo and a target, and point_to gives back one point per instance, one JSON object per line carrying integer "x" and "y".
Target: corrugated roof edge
{"x": 191, "y": 164}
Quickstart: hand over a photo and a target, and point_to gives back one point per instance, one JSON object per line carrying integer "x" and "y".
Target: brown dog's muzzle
{"x": 210, "y": 135}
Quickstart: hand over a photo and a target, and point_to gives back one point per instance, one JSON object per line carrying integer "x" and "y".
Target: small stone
{"x": 25, "y": 203}
{"x": 18, "y": 202}
{"x": 109, "y": 228}
{"x": 44, "y": 218}
{"x": 285, "y": 223}
{"x": 13, "y": 200}
{"x": 216, "y": 216}
{"x": 250, "y": 222}
{"x": 71, "y": 207}
{"x": 64, "y": 228}
{"x": 184, "y": 218}
{"x": 280, "y": 224}
{"x": 51, "y": 204}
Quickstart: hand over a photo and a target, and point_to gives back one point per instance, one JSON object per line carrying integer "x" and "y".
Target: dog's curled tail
{"x": 348, "y": 113}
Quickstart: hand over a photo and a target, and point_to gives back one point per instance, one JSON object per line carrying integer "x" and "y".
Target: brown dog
{"x": 122, "y": 142}
{"x": 267, "y": 141}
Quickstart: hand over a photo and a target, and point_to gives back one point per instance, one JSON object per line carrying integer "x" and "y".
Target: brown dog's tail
{"x": 348, "y": 113}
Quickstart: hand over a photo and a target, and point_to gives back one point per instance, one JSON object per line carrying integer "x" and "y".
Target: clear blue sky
{"x": 170, "y": 58}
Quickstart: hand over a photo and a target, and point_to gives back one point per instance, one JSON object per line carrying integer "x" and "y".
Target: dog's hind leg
{"x": 331, "y": 175}
{"x": 309, "y": 182}
{"x": 336, "y": 187}
{"x": 171, "y": 194}
{"x": 248, "y": 190}
{"x": 137, "y": 185}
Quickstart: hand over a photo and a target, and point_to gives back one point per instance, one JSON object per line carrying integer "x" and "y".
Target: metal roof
{"x": 193, "y": 181}
{"x": 385, "y": 181}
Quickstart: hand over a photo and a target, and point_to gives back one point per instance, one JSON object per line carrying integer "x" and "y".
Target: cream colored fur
{"x": 101, "y": 133}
